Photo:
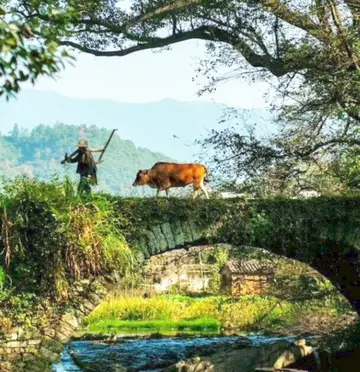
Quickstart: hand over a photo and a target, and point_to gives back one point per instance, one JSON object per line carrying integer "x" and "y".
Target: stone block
{"x": 93, "y": 298}
{"x": 34, "y": 342}
{"x": 80, "y": 310}
{"x": 88, "y": 306}
{"x": 49, "y": 332}
{"x": 71, "y": 319}
{"x": 13, "y": 344}
{"x": 187, "y": 232}
{"x": 32, "y": 350}
{"x": 79, "y": 315}
{"x": 143, "y": 247}
{"x": 13, "y": 357}
{"x": 140, "y": 256}
{"x": 77, "y": 288}
{"x": 31, "y": 357}
{"x": 66, "y": 329}
{"x": 152, "y": 242}
{"x": 21, "y": 333}
{"x": 13, "y": 336}
{"x": 195, "y": 232}
{"x": 99, "y": 289}
{"x": 63, "y": 339}
{"x": 167, "y": 232}
{"x": 38, "y": 365}
{"x": 51, "y": 345}
{"x": 177, "y": 233}
{"x": 32, "y": 334}
{"x": 162, "y": 245}
{"x": 284, "y": 360}
{"x": 49, "y": 355}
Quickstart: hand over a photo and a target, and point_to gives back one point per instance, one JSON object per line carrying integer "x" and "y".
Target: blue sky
{"x": 149, "y": 76}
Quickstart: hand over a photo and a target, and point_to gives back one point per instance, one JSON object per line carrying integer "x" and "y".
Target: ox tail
{"x": 206, "y": 177}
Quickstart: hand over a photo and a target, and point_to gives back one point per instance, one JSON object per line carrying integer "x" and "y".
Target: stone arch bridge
{"x": 323, "y": 232}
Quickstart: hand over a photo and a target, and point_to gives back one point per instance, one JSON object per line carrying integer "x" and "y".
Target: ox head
{"x": 142, "y": 177}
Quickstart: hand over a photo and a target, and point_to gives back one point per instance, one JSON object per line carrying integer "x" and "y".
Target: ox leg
{"x": 204, "y": 190}
{"x": 196, "y": 190}
{"x": 159, "y": 190}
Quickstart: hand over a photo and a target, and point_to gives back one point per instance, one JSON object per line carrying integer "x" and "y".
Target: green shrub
{"x": 51, "y": 236}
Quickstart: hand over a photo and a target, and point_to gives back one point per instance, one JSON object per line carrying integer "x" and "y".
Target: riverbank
{"x": 171, "y": 314}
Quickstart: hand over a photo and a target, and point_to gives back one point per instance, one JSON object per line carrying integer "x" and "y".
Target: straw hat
{"x": 82, "y": 143}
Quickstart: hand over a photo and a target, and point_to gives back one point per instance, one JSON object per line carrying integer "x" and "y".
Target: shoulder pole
{"x": 106, "y": 145}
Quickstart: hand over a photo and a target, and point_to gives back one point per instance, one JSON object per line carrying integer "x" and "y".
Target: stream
{"x": 146, "y": 354}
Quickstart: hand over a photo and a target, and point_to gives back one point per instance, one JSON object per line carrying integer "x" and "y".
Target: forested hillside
{"x": 168, "y": 126}
{"x": 38, "y": 154}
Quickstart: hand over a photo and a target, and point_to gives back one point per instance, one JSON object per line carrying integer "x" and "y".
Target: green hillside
{"x": 37, "y": 153}
{"x": 168, "y": 126}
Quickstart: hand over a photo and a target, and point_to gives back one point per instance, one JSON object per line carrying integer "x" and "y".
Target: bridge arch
{"x": 334, "y": 254}
{"x": 323, "y": 233}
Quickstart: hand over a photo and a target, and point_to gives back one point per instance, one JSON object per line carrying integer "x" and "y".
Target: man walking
{"x": 86, "y": 167}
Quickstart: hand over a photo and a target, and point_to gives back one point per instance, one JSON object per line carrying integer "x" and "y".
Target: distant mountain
{"x": 166, "y": 126}
{"x": 37, "y": 153}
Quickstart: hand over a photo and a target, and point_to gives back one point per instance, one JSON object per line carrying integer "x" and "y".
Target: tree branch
{"x": 165, "y": 10}
{"x": 297, "y": 19}
{"x": 152, "y": 43}
{"x": 342, "y": 33}
{"x": 275, "y": 66}
{"x": 332, "y": 142}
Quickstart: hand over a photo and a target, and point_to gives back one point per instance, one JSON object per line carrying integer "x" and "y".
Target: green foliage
{"x": 2, "y": 278}
{"x": 218, "y": 259}
{"x": 335, "y": 172}
{"x": 21, "y": 59}
{"x": 52, "y": 236}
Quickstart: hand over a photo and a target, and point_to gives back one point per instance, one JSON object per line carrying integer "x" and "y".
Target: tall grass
{"x": 247, "y": 313}
{"x": 51, "y": 235}
{"x": 201, "y": 324}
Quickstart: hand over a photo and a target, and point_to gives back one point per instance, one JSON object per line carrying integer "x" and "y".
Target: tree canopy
{"x": 22, "y": 57}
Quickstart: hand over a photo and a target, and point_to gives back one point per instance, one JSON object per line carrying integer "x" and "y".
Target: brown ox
{"x": 163, "y": 176}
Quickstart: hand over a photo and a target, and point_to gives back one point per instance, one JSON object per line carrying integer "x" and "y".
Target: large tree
{"x": 311, "y": 47}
